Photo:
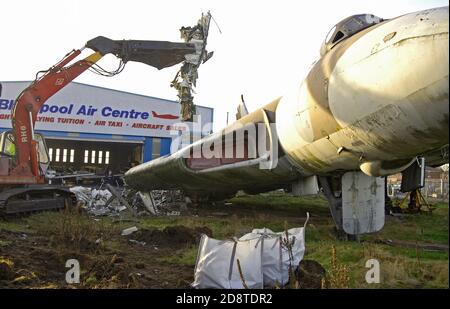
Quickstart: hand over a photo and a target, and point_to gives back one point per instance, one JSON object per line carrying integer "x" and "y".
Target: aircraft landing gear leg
{"x": 335, "y": 204}
{"x": 388, "y": 206}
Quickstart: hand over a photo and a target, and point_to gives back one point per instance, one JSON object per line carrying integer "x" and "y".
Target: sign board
{"x": 89, "y": 109}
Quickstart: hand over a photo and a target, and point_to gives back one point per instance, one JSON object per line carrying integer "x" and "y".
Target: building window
{"x": 64, "y": 158}
{"x": 156, "y": 148}
{"x": 57, "y": 155}
{"x": 72, "y": 155}
{"x": 106, "y": 157}
{"x": 86, "y": 156}
{"x": 100, "y": 157}
{"x": 50, "y": 154}
{"x": 93, "y": 156}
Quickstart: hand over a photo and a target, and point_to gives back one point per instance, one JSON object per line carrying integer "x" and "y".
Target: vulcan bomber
{"x": 376, "y": 103}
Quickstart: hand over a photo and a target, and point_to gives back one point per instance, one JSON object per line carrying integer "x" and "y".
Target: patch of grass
{"x": 223, "y": 227}
{"x": 423, "y": 254}
{"x": 4, "y": 242}
{"x": 220, "y": 227}
{"x": 113, "y": 244}
{"x": 14, "y": 225}
{"x": 283, "y": 202}
{"x": 71, "y": 229}
{"x": 397, "y": 269}
{"x": 428, "y": 228}
{"x": 237, "y": 224}
{"x": 185, "y": 257}
{"x": 441, "y": 205}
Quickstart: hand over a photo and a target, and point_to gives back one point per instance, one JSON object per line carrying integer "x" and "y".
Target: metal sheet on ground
{"x": 362, "y": 203}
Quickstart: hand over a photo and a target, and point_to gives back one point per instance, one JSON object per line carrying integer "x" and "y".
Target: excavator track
{"x": 33, "y": 198}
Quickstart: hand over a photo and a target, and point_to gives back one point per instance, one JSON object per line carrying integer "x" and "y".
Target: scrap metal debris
{"x": 98, "y": 202}
{"x": 129, "y": 231}
{"x": 186, "y": 78}
{"x": 164, "y": 202}
{"x": 134, "y": 241}
{"x": 111, "y": 201}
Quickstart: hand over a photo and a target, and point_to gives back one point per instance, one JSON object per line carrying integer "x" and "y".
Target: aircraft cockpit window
{"x": 339, "y": 35}
{"x": 347, "y": 28}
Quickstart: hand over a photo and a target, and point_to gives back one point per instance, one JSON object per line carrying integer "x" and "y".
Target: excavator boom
{"x": 30, "y": 102}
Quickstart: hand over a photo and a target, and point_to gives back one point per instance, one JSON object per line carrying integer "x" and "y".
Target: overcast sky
{"x": 265, "y": 49}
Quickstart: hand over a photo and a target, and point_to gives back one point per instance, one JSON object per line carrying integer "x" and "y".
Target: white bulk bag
{"x": 262, "y": 254}
{"x": 275, "y": 256}
{"x": 216, "y": 265}
{"x": 275, "y": 271}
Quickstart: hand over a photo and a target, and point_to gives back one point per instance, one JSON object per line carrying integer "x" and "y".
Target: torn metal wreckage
{"x": 186, "y": 78}
{"x": 108, "y": 200}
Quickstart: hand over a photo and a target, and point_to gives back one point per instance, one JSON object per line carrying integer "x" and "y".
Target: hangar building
{"x": 90, "y": 128}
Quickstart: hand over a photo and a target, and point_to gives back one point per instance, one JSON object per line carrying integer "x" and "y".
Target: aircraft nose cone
{"x": 393, "y": 82}
{"x": 400, "y": 60}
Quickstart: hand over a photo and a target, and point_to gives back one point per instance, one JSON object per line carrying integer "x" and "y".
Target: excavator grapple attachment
{"x": 158, "y": 54}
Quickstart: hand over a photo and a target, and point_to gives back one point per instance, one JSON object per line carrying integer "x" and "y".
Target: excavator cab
{"x": 8, "y": 152}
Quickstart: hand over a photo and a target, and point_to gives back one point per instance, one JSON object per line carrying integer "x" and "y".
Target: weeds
{"x": 71, "y": 228}
{"x": 288, "y": 245}
{"x": 339, "y": 274}
{"x": 7, "y": 261}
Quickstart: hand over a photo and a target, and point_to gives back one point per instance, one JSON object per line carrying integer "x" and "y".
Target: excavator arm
{"x": 159, "y": 54}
